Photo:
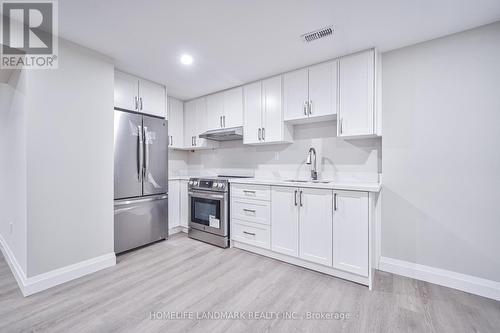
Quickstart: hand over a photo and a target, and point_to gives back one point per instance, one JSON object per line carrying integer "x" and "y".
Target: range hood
{"x": 224, "y": 134}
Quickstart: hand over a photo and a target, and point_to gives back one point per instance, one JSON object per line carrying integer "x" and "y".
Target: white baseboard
{"x": 14, "y": 265}
{"x": 463, "y": 282}
{"x": 37, "y": 283}
{"x": 177, "y": 229}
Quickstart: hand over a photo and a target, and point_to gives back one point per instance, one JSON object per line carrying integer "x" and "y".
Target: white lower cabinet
{"x": 350, "y": 232}
{"x": 173, "y": 204}
{"x": 301, "y": 223}
{"x": 285, "y": 220}
{"x": 184, "y": 203}
{"x": 315, "y": 225}
{"x": 321, "y": 229}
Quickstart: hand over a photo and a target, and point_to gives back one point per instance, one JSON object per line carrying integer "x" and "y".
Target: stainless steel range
{"x": 209, "y": 210}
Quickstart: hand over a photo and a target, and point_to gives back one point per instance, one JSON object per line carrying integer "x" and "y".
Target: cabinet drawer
{"x": 256, "y": 211}
{"x": 251, "y": 233}
{"x": 259, "y": 192}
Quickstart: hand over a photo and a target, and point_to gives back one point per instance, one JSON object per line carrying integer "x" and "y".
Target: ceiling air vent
{"x": 314, "y": 35}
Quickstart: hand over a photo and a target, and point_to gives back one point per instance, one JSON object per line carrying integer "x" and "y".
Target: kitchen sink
{"x": 308, "y": 181}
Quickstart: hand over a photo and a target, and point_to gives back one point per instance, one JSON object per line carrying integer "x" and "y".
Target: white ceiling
{"x": 237, "y": 41}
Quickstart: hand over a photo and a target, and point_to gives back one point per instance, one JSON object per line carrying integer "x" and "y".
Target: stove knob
{"x": 190, "y": 182}
{"x": 195, "y": 183}
{"x": 215, "y": 184}
{"x": 221, "y": 185}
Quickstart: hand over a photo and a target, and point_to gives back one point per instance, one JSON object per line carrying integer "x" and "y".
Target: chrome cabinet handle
{"x": 260, "y": 136}
{"x": 195, "y": 143}
{"x": 224, "y": 121}
{"x": 310, "y": 107}
{"x": 140, "y": 100}
{"x": 295, "y": 197}
{"x": 335, "y": 201}
{"x": 172, "y": 140}
{"x": 248, "y": 191}
{"x": 300, "y": 197}
{"x": 140, "y": 152}
{"x": 263, "y": 134}
{"x": 341, "y": 125}
{"x": 249, "y": 233}
{"x": 249, "y": 210}
{"x": 136, "y": 103}
{"x": 305, "y": 108}
{"x": 220, "y": 121}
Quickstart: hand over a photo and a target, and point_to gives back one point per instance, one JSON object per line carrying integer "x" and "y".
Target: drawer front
{"x": 259, "y": 192}
{"x": 255, "y": 211}
{"x": 251, "y": 233}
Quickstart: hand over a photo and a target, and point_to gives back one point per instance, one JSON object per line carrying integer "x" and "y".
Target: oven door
{"x": 208, "y": 212}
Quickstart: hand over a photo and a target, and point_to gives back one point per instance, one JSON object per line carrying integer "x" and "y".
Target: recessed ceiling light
{"x": 186, "y": 59}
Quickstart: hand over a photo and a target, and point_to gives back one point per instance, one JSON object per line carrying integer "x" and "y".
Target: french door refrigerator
{"x": 141, "y": 186}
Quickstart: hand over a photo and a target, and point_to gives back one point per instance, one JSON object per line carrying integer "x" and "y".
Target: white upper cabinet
{"x": 295, "y": 94}
{"x": 215, "y": 110}
{"x": 323, "y": 90}
{"x": 315, "y": 227}
{"x": 195, "y": 123}
{"x": 233, "y": 107}
{"x": 135, "y": 94}
{"x": 225, "y": 109}
{"x": 252, "y": 117}
{"x": 285, "y": 220}
{"x": 126, "y": 91}
{"x": 357, "y": 112}
{"x": 152, "y": 98}
{"x": 263, "y": 113}
{"x": 350, "y": 232}
{"x": 175, "y": 123}
{"x": 310, "y": 94}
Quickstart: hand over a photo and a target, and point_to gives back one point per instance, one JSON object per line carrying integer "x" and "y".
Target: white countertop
{"x": 353, "y": 186}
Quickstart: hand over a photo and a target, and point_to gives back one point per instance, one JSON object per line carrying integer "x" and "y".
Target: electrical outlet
{"x": 11, "y": 227}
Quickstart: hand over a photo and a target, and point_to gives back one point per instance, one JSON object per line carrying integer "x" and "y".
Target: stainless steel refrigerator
{"x": 141, "y": 186}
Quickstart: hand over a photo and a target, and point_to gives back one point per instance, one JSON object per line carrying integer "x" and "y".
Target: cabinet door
{"x": 173, "y": 204}
{"x": 201, "y": 122}
{"x": 184, "y": 200}
{"x": 189, "y": 123}
{"x": 152, "y": 98}
{"x": 350, "y": 232}
{"x": 215, "y": 111}
{"x": 323, "y": 89}
{"x": 126, "y": 89}
{"x": 252, "y": 115}
{"x": 315, "y": 225}
{"x": 272, "y": 124}
{"x": 175, "y": 123}
{"x": 285, "y": 220}
{"x": 356, "y": 94}
{"x": 295, "y": 94}
{"x": 233, "y": 107}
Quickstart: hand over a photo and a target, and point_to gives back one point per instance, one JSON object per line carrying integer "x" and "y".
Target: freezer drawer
{"x": 140, "y": 221}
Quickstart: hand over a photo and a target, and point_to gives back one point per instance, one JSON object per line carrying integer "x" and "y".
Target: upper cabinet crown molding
{"x": 310, "y": 94}
{"x": 135, "y": 94}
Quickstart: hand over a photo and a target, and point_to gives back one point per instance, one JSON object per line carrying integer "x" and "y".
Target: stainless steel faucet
{"x": 314, "y": 172}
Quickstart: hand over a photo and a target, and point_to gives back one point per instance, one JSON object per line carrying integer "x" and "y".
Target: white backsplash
{"x": 339, "y": 159}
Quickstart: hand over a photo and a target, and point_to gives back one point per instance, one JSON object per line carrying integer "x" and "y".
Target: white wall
{"x": 69, "y": 142}
{"x": 337, "y": 158}
{"x": 13, "y": 164}
{"x": 441, "y": 164}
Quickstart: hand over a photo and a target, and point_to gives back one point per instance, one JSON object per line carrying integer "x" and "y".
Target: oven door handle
{"x": 205, "y": 195}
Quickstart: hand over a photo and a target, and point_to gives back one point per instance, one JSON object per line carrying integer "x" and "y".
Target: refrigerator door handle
{"x": 146, "y": 153}
{"x": 140, "y": 152}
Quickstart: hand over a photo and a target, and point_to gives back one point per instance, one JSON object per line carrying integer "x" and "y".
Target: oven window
{"x": 202, "y": 208}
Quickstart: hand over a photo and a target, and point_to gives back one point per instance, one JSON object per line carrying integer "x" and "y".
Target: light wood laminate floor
{"x": 183, "y": 275}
